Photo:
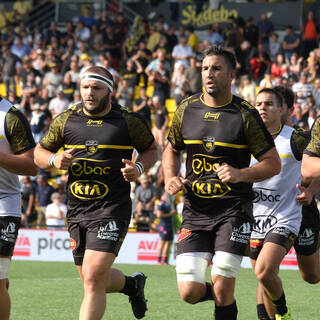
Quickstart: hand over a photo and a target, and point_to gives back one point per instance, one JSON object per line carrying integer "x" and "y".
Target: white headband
{"x": 98, "y": 77}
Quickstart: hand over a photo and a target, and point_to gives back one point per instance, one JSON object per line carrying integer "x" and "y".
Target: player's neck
{"x": 275, "y": 129}
{"x": 98, "y": 115}
{"x": 217, "y": 101}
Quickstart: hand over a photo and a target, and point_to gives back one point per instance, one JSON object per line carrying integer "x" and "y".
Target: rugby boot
{"x": 286, "y": 316}
{"x": 138, "y": 301}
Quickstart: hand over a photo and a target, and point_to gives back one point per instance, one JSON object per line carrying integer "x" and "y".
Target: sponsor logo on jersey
{"x": 94, "y": 123}
{"x": 241, "y": 234}
{"x": 208, "y": 143}
{"x": 264, "y": 195}
{"x": 211, "y": 116}
{"x": 91, "y": 146}
{"x": 89, "y": 189}
{"x": 263, "y": 223}
{"x": 87, "y": 167}
{"x": 210, "y": 188}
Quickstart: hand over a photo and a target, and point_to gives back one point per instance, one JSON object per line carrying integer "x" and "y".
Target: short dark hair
{"x": 219, "y": 51}
{"x": 287, "y": 94}
{"x": 276, "y": 93}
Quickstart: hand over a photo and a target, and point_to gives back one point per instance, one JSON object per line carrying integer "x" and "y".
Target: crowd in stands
{"x": 155, "y": 66}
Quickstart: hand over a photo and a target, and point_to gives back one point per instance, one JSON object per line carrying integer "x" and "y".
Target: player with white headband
{"x": 99, "y": 138}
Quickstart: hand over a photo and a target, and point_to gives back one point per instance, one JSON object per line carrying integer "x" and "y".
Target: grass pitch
{"x": 53, "y": 291}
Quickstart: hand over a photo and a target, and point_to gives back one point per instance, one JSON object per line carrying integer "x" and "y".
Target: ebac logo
{"x": 22, "y": 247}
{"x": 148, "y": 250}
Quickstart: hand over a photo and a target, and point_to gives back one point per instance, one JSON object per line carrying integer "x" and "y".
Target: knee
{"x": 264, "y": 274}
{"x": 312, "y": 278}
{"x": 189, "y": 295}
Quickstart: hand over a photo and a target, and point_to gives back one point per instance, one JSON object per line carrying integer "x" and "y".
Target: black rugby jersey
{"x": 216, "y": 135}
{"x": 96, "y": 187}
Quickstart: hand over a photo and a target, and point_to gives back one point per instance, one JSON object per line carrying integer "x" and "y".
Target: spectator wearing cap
{"x": 291, "y": 42}
{"x": 59, "y": 103}
{"x": 52, "y": 79}
{"x": 56, "y": 212}
{"x": 9, "y": 69}
{"x": 86, "y": 62}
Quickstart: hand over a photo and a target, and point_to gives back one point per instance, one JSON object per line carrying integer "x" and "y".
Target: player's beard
{"x": 102, "y": 106}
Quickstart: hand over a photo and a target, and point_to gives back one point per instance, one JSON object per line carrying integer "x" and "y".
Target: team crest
{"x": 91, "y": 146}
{"x": 208, "y": 143}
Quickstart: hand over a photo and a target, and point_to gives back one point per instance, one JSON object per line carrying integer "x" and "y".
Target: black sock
{"x": 209, "y": 293}
{"x": 262, "y": 312}
{"x": 281, "y": 305}
{"x": 159, "y": 259}
{"x": 229, "y": 312}
{"x": 129, "y": 286}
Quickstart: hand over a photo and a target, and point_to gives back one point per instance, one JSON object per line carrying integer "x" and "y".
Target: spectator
{"x": 310, "y": 34}
{"x": 154, "y": 64}
{"x": 266, "y": 29}
{"x": 142, "y": 106}
{"x": 316, "y": 92}
{"x": 9, "y": 69}
{"x": 295, "y": 64}
{"x": 56, "y": 212}
{"x": 178, "y": 82}
{"x": 145, "y": 195}
{"x": 87, "y": 17}
{"x": 104, "y": 21}
{"x": 244, "y": 54}
{"x": 52, "y": 79}
{"x": 58, "y": 104}
{"x": 68, "y": 87}
{"x": 214, "y": 36}
{"x": 259, "y": 63}
{"x": 252, "y": 32}
{"x": 302, "y": 89}
{"x": 112, "y": 45}
{"x": 20, "y": 49}
{"x": 44, "y": 198}
{"x": 193, "y": 39}
{"x": 161, "y": 121}
{"x": 28, "y": 193}
{"x": 165, "y": 227}
{"x": 278, "y": 66}
{"x": 74, "y": 70}
{"x": 181, "y": 53}
{"x": 153, "y": 38}
{"x": 290, "y": 43}
{"x": 21, "y": 9}
{"x": 82, "y": 33}
{"x": 171, "y": 37}
{"x": 274, "y": 46}
{"x": 247, "y": 89}
{"x": 124, "y": 93}
{"x": 193, "y": 77}
{"x": 26, "y": 70}
{"x": 39, "y": 121}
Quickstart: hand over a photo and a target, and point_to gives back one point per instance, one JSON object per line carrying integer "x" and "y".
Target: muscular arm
{"x": 21, "y": 164}
{"x": 171, "y": 165}
{"x": 310, "y": 167}
{"x": 269, "y": 165}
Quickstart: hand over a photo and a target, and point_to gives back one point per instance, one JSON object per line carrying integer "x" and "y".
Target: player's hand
{"x": 175, "y": 184}
{"x": 130, "y": 171}
{"x": 64, "y": 159}
{"x": 305, "y": 197}
{"x": 227, "y": 173}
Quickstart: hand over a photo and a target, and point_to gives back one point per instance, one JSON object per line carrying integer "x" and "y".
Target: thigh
{"x": 9, "y": 227}
{"x": 309, "y": 263}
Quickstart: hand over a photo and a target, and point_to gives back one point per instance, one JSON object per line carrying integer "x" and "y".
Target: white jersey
{"x": 275, "y": 203}
{"x": 10, "y": 197}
